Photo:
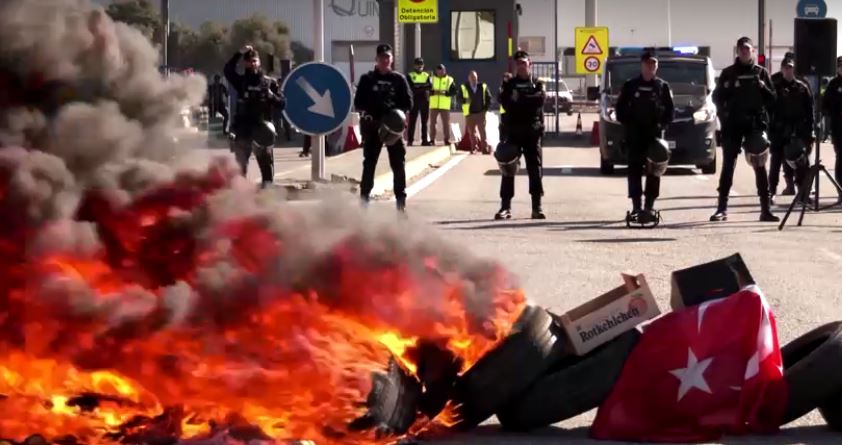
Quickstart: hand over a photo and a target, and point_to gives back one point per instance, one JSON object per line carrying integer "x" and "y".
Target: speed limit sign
{"x": 592, "y": 64}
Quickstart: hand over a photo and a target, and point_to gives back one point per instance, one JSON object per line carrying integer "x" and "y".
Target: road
{"x": 584, "y": 245}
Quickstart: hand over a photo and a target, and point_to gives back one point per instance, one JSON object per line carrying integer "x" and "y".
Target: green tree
{"x": 301, "y": 53}
{"x": 209, "y": 54}
{"x": 264, "y": 36}
{"x": 140, "y": 14}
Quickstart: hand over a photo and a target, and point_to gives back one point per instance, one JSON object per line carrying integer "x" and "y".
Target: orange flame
{"x": 295, "y": 362}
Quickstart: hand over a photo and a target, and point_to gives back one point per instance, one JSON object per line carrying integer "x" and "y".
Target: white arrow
{"x": 322, "y": 103}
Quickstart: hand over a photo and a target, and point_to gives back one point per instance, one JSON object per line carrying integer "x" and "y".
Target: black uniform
{"x": 218, "y": 102}
{"x": 258, "y": 97}
{"x": 743, "y": 97}
{"x": 421, "y": 87}
{"x": 523, "y": 100}
{"x": 832, "y": 109}
{"x": 645, "y": 108}
{"x": 376, "y": 94}
{"x": 792, "y": 116}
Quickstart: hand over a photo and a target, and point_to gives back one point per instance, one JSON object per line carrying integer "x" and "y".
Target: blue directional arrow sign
{"x": 811, "y": 8}
{"x": 318, "y": 98}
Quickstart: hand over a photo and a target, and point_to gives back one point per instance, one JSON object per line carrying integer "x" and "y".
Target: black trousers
{"x": 837, "y": 148}
{"x": 637, "y": 145}
{"x": 372, "y": 146}
{"x": 529, "y": 141}
{"x": 422, "y": 108}
{"x": 777, "y": 162}
{"x": 243, "y": 149}
{"x": 732, "y": 141}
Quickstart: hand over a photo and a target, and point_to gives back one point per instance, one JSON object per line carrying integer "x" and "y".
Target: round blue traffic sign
{"x": 318, "y": 98}
{"x": 811, "y": 9}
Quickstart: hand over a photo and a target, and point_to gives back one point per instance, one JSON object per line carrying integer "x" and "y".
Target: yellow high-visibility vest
{"x": 502, "y": 110}
{"x": 440, "y": 101}
{"x": 415, "y": 77}
{"x": 466, "y": 98}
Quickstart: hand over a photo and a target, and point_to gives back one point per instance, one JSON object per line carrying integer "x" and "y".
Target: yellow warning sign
{"x": 418, "y": 11}
{"x": 591, "y": 49}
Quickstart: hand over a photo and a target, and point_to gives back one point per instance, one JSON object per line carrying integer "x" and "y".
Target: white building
{"x": 714, "y": 23}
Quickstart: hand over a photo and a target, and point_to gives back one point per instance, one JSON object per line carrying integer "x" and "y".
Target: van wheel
{"x": 710, "y": 168}
{"x": 606, "y": 167}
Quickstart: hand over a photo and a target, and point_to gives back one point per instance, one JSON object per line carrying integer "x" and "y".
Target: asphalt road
{"x": 584, "y": 245}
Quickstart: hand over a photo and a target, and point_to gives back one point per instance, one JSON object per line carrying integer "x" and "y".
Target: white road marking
{"x": 831, "y": 254}
{"x": 426, "y": 181}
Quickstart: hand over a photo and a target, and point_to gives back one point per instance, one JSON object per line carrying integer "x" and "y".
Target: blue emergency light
{"x": 686, "y": 50}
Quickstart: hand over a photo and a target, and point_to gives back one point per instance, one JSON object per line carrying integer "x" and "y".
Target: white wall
{"x": 714, "y": 23}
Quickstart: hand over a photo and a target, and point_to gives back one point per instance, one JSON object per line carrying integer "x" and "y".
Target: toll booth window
{"x": 472, "y": 35}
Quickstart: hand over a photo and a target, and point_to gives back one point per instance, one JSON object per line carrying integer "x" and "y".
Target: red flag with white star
{"x": 700, "y": 373}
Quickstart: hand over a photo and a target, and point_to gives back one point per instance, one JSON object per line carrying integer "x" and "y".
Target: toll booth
{"x": 470, "y": 35}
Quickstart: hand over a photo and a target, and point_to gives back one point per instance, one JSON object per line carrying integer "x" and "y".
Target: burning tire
{"x": 812, "y": 364}
{"x": 536, "y": 344}
{"x": 573, "y": 386}
{"x": 392, "y": 403}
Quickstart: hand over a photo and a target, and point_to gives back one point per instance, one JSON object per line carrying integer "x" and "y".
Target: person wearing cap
{"x": 444, "y": 89}
{"x": 380, "y": 91}
{"x": 421, "y": 85}
{"x": 743, "y": 97}
{"x": 832, "y": 110}
{"x": 258, "y": 97}
{"x": 476, "y": 100}
{"x": 792, "y": 117}
{"x": 523, "y": 98}
{"x": 645, "y": 108}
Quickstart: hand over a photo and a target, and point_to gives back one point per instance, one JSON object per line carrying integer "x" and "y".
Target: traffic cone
{"x": 579, "y": 131}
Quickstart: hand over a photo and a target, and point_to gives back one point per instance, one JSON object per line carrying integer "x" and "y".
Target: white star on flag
{"x": 693, "y": 375}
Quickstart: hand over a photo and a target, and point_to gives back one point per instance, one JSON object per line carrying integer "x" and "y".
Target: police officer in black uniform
{"x": 421, "y": 85}
{"x": 645, "y": 108}
{"x": 743, "y": 97}
{"x": 258, "y": 97}
{"x": 832, "y": 110}
{"x": 380, "y": 91}
{"x": 523, "y": 99}
{"x": 792, "y": 117}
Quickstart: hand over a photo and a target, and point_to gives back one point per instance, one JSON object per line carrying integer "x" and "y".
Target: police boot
{"x": 648, "y": 215}
{"x": 505, "y": 211}
{"x": 721, "y": 210}
{"x": 766, "y": 214}
{"x": 401, "y": 205}
{"x": 636, "y": 209}
{"x": 789, "y": 190}
{"x": 537, "y": 213}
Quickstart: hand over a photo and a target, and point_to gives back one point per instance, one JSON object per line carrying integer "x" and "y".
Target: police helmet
{"x": 264, "y": 134}
{"x": 756, "y": 146}
{"x": 657, "y": 157}
{"x": 508, "y": 158}
{"x": 392, "y": 126}
{"x": 795, "y": 153}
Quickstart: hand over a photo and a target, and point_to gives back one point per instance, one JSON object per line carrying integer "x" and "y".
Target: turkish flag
{"x": 700, "y": 373}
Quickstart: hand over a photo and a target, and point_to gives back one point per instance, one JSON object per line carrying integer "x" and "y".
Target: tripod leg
{"x": 799, "y": 199}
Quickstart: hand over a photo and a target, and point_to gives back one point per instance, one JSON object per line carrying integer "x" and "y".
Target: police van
{"x": 692, "y": 134}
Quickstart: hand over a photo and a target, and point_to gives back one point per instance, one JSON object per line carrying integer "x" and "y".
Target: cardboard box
{"x": 709, "y": 281}
{"x": 606, "y": 317}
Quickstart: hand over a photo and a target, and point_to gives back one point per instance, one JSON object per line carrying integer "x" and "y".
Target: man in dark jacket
{"x": 743, "y": 97}
{"x": 258, "y": 97}
{"x": 380, "y": 91}
{"x": 218, "y": 101}
{"x": 645, "y": 108}
{"x": 832, "y": 110}
{"x": 792, "y": 117}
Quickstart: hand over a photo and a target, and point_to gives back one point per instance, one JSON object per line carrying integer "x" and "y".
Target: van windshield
{"x": 676, "y": 73}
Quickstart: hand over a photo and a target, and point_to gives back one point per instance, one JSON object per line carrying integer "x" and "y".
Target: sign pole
{"x": 317, "y": 168}
{"x": 417, "y": 40}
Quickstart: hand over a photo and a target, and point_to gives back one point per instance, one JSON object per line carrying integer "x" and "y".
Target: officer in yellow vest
{"x": 421, "y": 85}
{"x": 476, "y": 99}
{"x": 444, "y": 89}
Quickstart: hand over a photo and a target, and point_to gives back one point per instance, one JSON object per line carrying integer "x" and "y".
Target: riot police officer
{"x": 421, "y": 85}
{"x": 832, "y": 109}
{"x": 258, "y": 97}
{"x": 792, "y": 121}
{"x": 645, "y": 108}
{"x": 380, "y": 92}
{"x": 523, "y": 99}
{"x": 743, "y": 97}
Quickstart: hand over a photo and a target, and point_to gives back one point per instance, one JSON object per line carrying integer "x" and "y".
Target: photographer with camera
{"x": 743, "y": 97}
{"x": 258, "y": 97}
{"x": 383, "y": 99}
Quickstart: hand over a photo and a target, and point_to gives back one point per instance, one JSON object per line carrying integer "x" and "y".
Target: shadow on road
{"x": 494, "y": 435}
{"x": 522, "y": 224}
{"x": 627, "y": 240}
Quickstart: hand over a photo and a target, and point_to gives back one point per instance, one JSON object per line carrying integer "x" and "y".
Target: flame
{"x": 98, "y": 345}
